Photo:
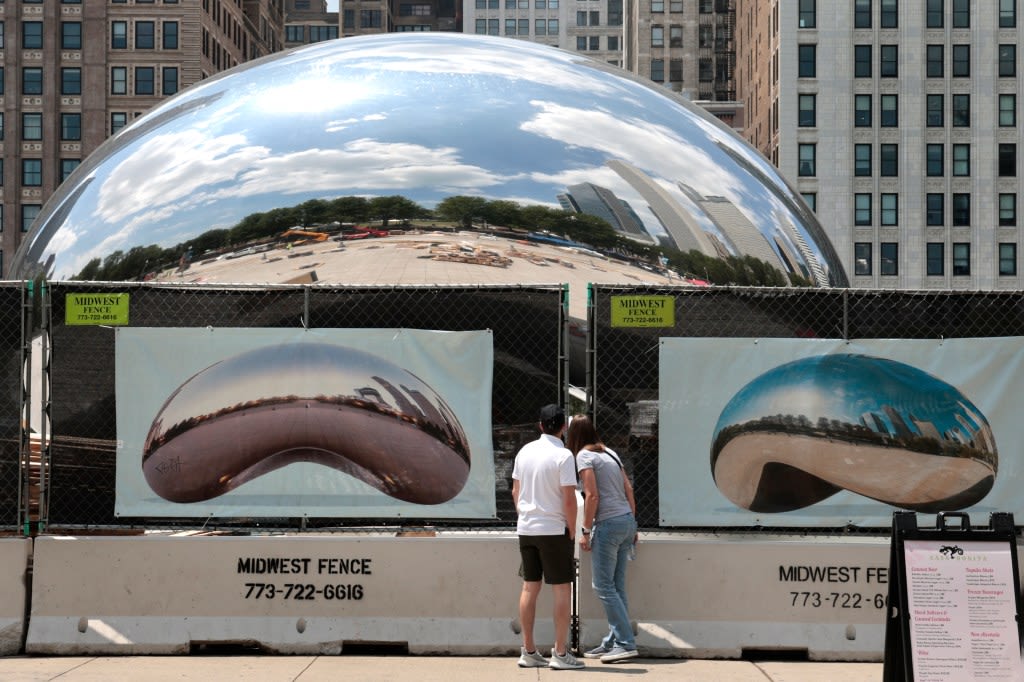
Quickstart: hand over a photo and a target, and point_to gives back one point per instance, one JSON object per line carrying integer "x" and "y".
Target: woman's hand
{"x": 585, "y": 542}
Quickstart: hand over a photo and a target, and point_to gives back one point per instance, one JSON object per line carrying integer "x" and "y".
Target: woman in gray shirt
{"x": 609, "y": 533}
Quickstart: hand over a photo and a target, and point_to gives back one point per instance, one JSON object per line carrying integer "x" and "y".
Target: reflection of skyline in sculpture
{"x": 507, "y": 120}
{"x": 601, "y": 202}
{"x": 267, "y": 408}
{"x": 807, "y": 429}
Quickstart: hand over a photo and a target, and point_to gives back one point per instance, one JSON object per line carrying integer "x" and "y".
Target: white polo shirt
{"x": 542, "y": 468}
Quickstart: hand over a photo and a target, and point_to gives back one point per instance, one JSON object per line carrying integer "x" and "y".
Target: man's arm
{"x": 515, "y": 493}
{"x": 569, "y": 508}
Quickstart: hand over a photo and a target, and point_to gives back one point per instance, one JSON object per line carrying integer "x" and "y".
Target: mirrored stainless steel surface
{"x": 425, "y": 118}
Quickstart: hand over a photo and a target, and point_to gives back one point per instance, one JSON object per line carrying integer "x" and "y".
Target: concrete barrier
{"x": 287, "y": 594}
{"x": 15, "y": 554}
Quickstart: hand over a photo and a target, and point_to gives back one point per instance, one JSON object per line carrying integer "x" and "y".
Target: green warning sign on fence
{"x": 643, "y": 311}
{"x": 96, "y": 309}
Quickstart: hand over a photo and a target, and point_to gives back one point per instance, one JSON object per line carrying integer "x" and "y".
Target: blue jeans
{"x": 609, "y": 548}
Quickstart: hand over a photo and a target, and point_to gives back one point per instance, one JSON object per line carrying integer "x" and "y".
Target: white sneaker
{"x": 534, "y": 660}
{"x": 564, "y": 662}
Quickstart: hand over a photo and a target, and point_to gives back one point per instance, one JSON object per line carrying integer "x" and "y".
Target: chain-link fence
{"x": 15, "y": 467}
{"x": 623, "y": 361}
{"x": 530, "y": 364}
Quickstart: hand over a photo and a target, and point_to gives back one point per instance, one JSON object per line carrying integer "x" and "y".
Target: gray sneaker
{"x": 534, "y": 660}
{"x": 618, "y": 654}
{"x": 597, "y": 652}
{"x": 564, "y": 662}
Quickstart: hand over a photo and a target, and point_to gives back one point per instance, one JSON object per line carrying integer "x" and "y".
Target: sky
{"x": 332, "y": 5}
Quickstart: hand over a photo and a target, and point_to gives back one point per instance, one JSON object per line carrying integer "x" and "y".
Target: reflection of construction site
{"x": 418, "y": 257}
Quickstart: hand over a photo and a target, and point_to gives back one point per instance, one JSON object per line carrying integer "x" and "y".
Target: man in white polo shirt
{"x": 544, "y": 492}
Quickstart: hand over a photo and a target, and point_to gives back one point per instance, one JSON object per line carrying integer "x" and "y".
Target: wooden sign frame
{"x": 954, "y": 610}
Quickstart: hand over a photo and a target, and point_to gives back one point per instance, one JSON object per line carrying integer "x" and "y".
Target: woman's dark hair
{"x": 582, "y": 434}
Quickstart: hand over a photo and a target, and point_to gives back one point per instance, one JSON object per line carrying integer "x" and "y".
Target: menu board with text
{"x": 962, "y": 610}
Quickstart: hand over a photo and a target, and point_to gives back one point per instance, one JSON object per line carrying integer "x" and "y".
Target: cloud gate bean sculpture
{"x": 808, "y": 429}
{"x": 389, "y": 129}
{"x": 266, "y": 408}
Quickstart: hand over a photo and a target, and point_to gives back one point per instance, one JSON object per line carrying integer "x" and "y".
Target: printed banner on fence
{"x": 355, "y": 423}
{"x": 824, "y": 433}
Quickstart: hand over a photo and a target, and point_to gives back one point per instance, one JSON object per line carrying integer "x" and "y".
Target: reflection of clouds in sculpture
{"x": 425, "y": 117}
{"x": 802, "y": 431}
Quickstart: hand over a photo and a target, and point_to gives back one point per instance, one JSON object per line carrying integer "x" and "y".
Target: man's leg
{"x": 528, "y": 612}
{"x": 563, "y": 599}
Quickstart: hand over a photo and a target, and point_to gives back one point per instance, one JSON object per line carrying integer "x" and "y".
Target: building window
{"x": 862, "y": 61}
{"x": 675, "y": 6}
{"x": 935, "y": 259}
{"x": 807, "y": 56}
{"x": 118, "y": 120}
{"x": 862, "y": 258}
{"x": 675, "y": 36}
{"x": 935, "y": 209}
{"x": 961, "y": 111}
{"x": 808, "y": 160}
{"x": 1, "y": 137}
{"x": 67, "y": 166}
{"x": 889, "y": 210}
{"x": 296, "y": 33}
{"x": 811, "y": 199}
{"x": 28, "y": 215}
{"x": 1007, "y": 110}
{"x": 888, "y": 160}
{"x": 657, "y": 32}
{"x": 32, "y": 35}
{"x": 862, "y": 111}
{"x": 32, "y": 172}
{"x": 961, "y": 61}
{"x": 862, "y": 13}
{"x": 348, "y": 19}
{"x": 71, "y": 126}
{"x": 889, "y": 114}
{"x": 961, "y": 13}
{"x": 808, "y": 14}
{"x": 889, "y": 57}
{"x": 144, "y": 80}
{"x": 31, "y": 80}
{"x": 935, "y": 115}
{"x": 658, "y": 70}
{"x": 961, "y": 259}
{"x": 71, "y": 35}
{"x": 1, "y": 35}
{"x": 370, "y": 18}
{"x": 862, "y": 160}
{"x": 1008, "y": 210}
{"x": 933, "y": 55}
{"x": 524, "y": 30}
{"x": 1007, "y": 259}
{"x": 1007, "y": 160}
{"x": 32, "y": 126}
{"x": 889, "y": 14}
{"x": 888, "y": 259}
{"x": 934, "y": 161}
{"x": 1007, "y": 13}
{"x": 170, "y": 35}
{"x": 119, "y": 80}
{"x": 119, "y": 35}
{"x": 961, "y": 210}
{"x": 808, "y": 107}
{"x": 961, "y": 160}
{"x": 1007, "y": 61}
{"x": 145, "y": 35}
{"x": 169, "y": 80}
{"x": 71, "y": 81}
{"x": 861, "y": 209}
{"x": 675, "y": 70}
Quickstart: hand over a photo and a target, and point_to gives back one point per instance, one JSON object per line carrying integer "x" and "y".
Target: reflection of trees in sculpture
{"x": 460, "y": 210}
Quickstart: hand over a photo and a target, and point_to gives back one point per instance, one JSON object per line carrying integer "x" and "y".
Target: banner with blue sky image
{"x": 826, "y": 433}
{"x": 357, "y": 423}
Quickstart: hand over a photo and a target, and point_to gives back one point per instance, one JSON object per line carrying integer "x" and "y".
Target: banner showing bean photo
{"x": 355, "y": 423}
{"x": 825, "y": 433}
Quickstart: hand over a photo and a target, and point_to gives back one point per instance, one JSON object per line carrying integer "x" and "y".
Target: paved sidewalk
{"x": 411, "y": 669}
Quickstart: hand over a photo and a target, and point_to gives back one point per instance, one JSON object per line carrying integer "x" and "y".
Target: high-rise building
{"x": 897, "y": 122}
{"x": 80, "y": 70}
{"x": 308, "y": 21}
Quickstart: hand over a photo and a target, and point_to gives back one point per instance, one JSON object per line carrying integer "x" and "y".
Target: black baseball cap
{"x": 552, "y": 415}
